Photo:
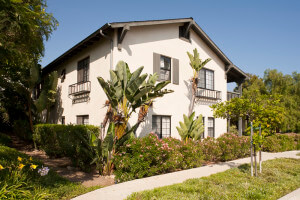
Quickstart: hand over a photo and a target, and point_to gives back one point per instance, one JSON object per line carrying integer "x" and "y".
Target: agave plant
{"x": 128, "y": 91}
{"x": 191, "y": 128}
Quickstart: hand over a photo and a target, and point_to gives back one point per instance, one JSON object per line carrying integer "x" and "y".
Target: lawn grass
{"x": 28, "y": 184}
{"x": 279, "y": 177}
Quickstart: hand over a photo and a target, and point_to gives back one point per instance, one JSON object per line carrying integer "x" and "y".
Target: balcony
{"x": 208, "y": 94}
{"x": 80, "y": 88}
{"x": 231, "y": 95}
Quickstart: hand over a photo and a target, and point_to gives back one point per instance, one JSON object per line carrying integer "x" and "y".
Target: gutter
{"x": 111, "y": 46}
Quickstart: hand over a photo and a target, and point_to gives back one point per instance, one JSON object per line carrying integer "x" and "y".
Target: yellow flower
{"x": 30, "y": 158}
{"x": 33, "y": 166}
{"x": 19, "y": 159}
{"x": 21, "y": 166}
{"x": 1, "y": 167}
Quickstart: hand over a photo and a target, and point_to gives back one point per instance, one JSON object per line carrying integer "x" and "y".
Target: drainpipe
{"x": 111, "y": 48}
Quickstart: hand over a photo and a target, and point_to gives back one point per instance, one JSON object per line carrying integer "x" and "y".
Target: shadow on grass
{"x": 244, "y": 168}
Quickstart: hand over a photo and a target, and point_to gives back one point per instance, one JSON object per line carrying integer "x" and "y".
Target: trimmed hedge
{"x": 66, "y": 140}
{"x": 282, "y": 142}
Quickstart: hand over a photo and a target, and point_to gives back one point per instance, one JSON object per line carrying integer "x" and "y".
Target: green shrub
{"x": 66, "y": 140}
{"x": 5, "y": 139}
{"x": 148, "y": 156}
{"x": 142, "y": 157}
{"x": 281, "y": 142}
{"x": 211, "y": 150}
{"x": 233, "y": 146}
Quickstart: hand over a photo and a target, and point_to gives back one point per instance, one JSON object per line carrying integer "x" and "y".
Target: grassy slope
{"x": 31, "y": 185}
{"x": 279, "y": 177}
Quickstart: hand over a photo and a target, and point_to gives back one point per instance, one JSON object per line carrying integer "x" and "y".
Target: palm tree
{"x": 196, "y": 64}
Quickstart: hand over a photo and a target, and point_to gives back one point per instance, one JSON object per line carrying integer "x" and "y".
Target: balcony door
{"x": 206, "y": 79}
{"x": 83, "y": 70}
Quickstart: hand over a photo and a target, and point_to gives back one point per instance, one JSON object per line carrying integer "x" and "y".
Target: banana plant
{"x": 197, "y": 64}
{"x": 190, "y": 127}
{"x": 127, "y": 92}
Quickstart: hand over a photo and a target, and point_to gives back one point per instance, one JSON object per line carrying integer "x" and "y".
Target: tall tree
{"x": 24, "y": 26}
{"x": 197, "y": 64}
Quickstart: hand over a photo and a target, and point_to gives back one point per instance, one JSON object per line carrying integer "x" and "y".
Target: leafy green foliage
{"x": 72, "y": 141}
{"x": 128, "y": 91}
{"x": 279, "y": 177}
{"x": 190, "y": 127}
{"x": 28, "y": 184}
{"x": 281, "y": 142}
{"x": 5, "y": 139}
{"x": 286, "y": 88}
{"x": 24, "y": 26}
{"x": 264, "y": 109}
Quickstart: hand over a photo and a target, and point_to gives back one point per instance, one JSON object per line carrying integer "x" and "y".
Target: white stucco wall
{"x": 138, "y": 47}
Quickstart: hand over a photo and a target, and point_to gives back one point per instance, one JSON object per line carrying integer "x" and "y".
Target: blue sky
{"x": 255, "y": 35}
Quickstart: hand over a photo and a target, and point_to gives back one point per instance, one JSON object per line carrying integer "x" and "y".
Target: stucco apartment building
{"x": 158, "y": 45}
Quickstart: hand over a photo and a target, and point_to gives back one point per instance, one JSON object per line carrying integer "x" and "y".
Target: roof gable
{"x": 125, "y": 26}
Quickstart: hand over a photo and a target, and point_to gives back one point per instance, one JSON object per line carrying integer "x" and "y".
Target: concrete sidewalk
{"x": 295, "y": 195}
{"x": 122, "y": 190}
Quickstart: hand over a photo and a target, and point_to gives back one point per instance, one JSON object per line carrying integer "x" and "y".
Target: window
{"x": 63, "y": 75}
{"x": 182, "y": 31}
{"x": 165, "y": 68}
{"x": 211, "y": 127}
{"x": 206, "y": 79}
{"x": 161, "y": 125}
{"x": 83, "y": 119}
{"x": 63, "y": 120}
{"x": 83, "y": 70}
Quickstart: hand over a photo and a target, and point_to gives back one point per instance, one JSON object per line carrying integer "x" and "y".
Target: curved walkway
{"x": 122, "y": 190}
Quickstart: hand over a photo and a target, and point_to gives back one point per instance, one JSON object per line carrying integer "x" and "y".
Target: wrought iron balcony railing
{"x": 80, "y": 88}
{"x": 208, "y": 94}
{"x": 231, "y": 95}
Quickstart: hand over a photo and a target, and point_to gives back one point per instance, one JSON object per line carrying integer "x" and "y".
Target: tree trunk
{"x": 194, "y": 88}
{"x": 29, "y": 113}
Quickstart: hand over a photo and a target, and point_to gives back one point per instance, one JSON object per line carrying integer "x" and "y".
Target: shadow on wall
{"x": 188, "y": 85}
{"x": 146, "y": 126}
{"x": 56, "y": 110}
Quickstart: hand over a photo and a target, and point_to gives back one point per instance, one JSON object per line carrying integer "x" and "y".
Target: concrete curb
{"x": 122, "y": 190}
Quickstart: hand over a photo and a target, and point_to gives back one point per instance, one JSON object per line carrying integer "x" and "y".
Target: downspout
{"x": 111, "y": 47}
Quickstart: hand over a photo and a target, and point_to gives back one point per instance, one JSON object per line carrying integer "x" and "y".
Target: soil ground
{"x": 62, "y": 166}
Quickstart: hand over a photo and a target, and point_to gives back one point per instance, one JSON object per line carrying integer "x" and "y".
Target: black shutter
{"x": 156, "y": 64}
{"x": 175, "y": 71}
